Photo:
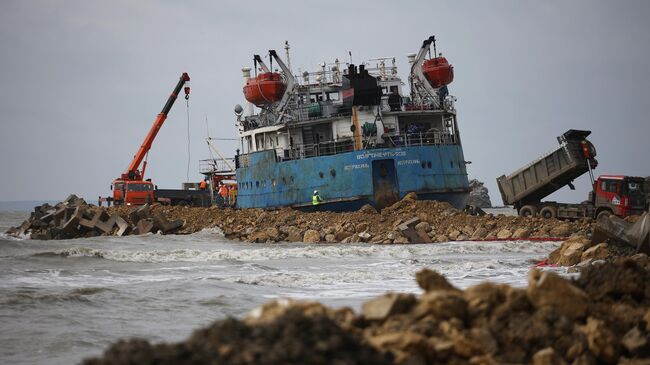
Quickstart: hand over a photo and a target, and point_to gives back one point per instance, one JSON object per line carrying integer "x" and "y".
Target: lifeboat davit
{"x": 264, "y": 89}
{"x": 438, "y": 71}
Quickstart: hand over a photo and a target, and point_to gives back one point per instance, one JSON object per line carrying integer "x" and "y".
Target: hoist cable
{"x": 187, "y": 175}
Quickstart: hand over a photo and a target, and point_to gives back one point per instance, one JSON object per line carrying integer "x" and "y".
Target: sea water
{"x": 62, "y": 301}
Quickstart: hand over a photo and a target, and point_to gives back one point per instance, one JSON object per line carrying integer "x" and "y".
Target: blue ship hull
{"x": 347, "y": 181}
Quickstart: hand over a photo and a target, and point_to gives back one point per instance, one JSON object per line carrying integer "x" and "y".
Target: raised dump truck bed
{"x": 611, "y": 194}
{"x": 550, "y": 172}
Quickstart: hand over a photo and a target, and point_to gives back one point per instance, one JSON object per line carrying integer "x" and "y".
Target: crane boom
{"x": 132, "y": 172}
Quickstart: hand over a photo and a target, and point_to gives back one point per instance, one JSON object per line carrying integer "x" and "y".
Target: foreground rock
{"x": 602, "y": 317}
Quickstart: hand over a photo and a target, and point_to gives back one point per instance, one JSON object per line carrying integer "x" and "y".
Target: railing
{"x": 214, "y": 166}
{"x": 329, "y": 148}
{"x": 333, "y": 109}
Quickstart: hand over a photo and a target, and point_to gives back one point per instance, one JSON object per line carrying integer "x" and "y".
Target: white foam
{"x": 331, "y": 252}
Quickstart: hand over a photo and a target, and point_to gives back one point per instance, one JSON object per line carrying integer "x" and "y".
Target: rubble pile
{"x": 612, "y": 237}
{"x": 602, "y": 317}
{"x": 74, "y": 218}
{"x": 407, "y": 221}
{"x": 478, "y": 195}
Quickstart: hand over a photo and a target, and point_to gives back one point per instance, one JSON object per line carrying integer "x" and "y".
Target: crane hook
{"x": 187, "y": 90}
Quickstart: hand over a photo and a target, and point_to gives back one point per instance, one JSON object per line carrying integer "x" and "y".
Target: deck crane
{"x": 421, "y": 89}
{"x": 131, "y": 188}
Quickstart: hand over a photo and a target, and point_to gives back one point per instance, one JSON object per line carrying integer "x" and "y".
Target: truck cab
{"x": 619, "y": 195}
{"x": 137, "y": 192}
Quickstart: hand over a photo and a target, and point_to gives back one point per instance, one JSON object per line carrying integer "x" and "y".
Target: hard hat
{"x": 315, "y": 191}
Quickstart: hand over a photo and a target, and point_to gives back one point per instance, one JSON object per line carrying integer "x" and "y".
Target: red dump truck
{"x": 611, "y": 194}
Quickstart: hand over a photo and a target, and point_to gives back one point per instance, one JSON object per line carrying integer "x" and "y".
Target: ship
{"x": 350, "y": 132}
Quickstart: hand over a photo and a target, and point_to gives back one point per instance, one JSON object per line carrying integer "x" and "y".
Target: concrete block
{"x": 47, "y": 218}
{"x": 73, "y": 200}
{"x": 37, "y": 224}
{"x": 143, "y": 212}
{"x": 636, "y": 234}
{"x": 44, "y": 235}
{"x": 100, "y": 215}
{"x": 163, "y": 224}
{"x": 144, "y": 226}
{"x": 70, "y": 227}
{"x": 106, "y": 226}
{"x": 408, "y": 229}
{"x": 123, "y": 227}
{"x": 22, "y": 229}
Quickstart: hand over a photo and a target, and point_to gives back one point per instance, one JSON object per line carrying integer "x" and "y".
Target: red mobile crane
{"x": 131, "y": 188}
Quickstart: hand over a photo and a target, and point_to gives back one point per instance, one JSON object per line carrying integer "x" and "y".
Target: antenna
{"x": 286, "y": 48}
{"x": 350, "y": 53}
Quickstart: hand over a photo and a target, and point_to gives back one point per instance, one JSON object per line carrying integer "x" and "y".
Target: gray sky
{"x": 84, "y": 80}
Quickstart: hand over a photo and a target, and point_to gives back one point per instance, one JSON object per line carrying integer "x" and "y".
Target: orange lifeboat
{"x": 438, "y": 71}
{"x": 266, "y": 88}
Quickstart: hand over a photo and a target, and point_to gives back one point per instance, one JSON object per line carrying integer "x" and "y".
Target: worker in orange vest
{"x": 204, "y": 184}
{"x": 223, "y": 192}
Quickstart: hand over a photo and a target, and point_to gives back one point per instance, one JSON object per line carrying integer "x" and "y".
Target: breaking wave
{"x": 279, "y": 252}
{"x": 78, "y": 295}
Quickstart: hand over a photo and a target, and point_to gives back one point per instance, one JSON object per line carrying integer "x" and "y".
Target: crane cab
{"x": 138, "y": 192}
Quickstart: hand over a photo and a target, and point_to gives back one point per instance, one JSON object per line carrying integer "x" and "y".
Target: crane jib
{"x": 160, "y": 119}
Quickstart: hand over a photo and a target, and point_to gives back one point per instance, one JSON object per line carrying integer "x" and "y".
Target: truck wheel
{"x": 603, "y": 213}
{"x": 548, "y": 212}
{"x": 528, "y": 211}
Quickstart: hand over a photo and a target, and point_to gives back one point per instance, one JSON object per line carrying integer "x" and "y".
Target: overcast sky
{"x": 83, "y": 80}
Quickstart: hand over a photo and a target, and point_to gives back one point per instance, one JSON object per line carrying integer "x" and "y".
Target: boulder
{"x": 368, "y": 209}
{"x": 401, "y": 239}
{"x": 259, "y": 237}
{"x": 273, "y": 233}
{"x": 547, "y": 356}
{"x": 423, "y": 226}
{"x": 364, "y": 236}
{"x": 597, "y": 252}
{"x": 453, "y": 235}
{"x": 602, "y": 342}
{"x": 378, "y": 309}
{"x": 311, "y": 236}
{"x": 341, "y": 235}
{"x": 571, "y": 254}
{"x": 546, "y": 289}
{"x": 483, "y": 298}
{"x": 442, "y": 238}
{"x": 478, "y": 234}
{"x": 441, "y": 304}
{"x": 475, "y": 342}
{"x": 521, "y": 233}
{"x": 634, "y": 340}
{"x": 330, "y": 238}
{"x": 361, "y": 227}
{"x": 561, "y": 230}
{"x": 407, "y": 347}
{"x": 504, "y": 234}
{"x": 294, "y": 234}
{"x": 430, "y": 280}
